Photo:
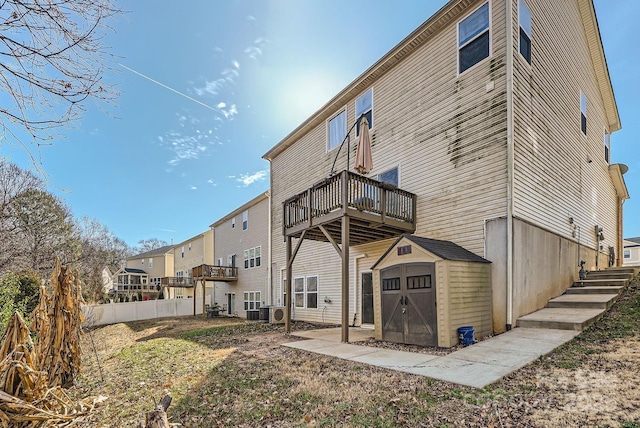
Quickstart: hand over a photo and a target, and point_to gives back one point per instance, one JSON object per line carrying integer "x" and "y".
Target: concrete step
{"x": 634, "y": 270}
{"x": 595, "y": 289}
{"x": 590, "y": 301}
{"x": 603, "y": 274}
{"x": 560, "y": 318}
{"x": 601, "y": 282}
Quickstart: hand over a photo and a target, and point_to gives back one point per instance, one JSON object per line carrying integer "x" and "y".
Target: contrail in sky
{"x": 167, "y": 87}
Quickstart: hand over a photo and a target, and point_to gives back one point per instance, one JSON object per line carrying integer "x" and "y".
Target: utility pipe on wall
{"x": 510, "y": 161}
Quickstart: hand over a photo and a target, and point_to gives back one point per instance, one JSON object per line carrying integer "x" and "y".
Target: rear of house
{"x": 490, "y": 138}
{"x": 241, "y": 240}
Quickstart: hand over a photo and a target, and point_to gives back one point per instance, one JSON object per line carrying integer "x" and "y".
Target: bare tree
{"x": 51, "y": 61}
{"x": 150, "y": 244}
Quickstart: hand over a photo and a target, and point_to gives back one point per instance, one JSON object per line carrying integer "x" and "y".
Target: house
{"x": 241, "y": 242}
{"x": 490, "y": 129}
{"x": 631, "y": 252}
{"x": 195, "y": 251}
{"x": 143, "y": 272}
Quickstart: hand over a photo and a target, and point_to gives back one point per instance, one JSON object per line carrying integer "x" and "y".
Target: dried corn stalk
{"x": 30, "y": 376}
{"x": 58, "y": 329}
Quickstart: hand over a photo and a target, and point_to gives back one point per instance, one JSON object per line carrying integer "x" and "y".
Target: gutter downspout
{"x": 269, "y": 267}
{"x": 510, "y": 161}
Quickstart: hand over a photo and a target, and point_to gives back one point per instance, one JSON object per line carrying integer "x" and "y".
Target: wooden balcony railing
{"x": 176, "y": 281}
{"x": 216, "y": 273}
{"x": 350, "y": 193}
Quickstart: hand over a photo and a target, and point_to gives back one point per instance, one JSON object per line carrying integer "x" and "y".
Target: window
{"x": 312, "y": 292}
{"x": 252, "y": 257}
{"x": 389, "y": 177}
{"x": 473, "y": 38}
{"x": 233, "y": 223}
{"x": 252, "y": 300}
{"x": 607, "y": 146}
{"x": 305, "y": 291}
{"x": 583, "y": 113}
{"x": 182, "y": 252}
{"x": 179, "y": 293}
{"x": 337, "y": 129}
{"x": 231, "y": 260}
{"x": 298, "y": 292}
{"x": 150, "y": 263}
{"x": 627, "y": 254}
{"x": 364, "y": 105}
{"x": 245, "y": 220}
{"x": 524, "y": 19}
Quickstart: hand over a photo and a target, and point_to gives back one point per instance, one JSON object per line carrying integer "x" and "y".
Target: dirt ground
{"x": 239, "y": 375}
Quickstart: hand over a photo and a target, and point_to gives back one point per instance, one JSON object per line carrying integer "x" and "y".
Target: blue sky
{"x": 159, "y": 164}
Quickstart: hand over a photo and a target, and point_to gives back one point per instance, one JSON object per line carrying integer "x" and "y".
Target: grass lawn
{"x": 224, "y": 372}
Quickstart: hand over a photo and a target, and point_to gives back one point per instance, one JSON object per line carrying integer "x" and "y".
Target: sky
{"x": 207, "y": 87}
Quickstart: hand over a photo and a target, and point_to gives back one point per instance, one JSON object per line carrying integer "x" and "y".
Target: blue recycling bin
{"x": 466, "y": 335}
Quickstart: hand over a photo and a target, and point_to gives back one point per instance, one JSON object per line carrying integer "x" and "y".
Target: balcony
{"x": 376, "y": 210}
{"x": 176, "y": 281}
{"x": 215, "y": 273}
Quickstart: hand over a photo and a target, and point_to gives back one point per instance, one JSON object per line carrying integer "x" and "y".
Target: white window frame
{"x": 626, "y": 254}
{"x": 459, "y": 47}
{"x": 301, "y": 297}
{"x": 528, "y": 29}
{"x": 220, "y": 261}
{"x": 252, "y": 300}
{"x": 150, "y": 263}
{"x": 252, "y": 257}
{"x": 607, "y": 147}
{"x": 245, "y": 220}
{"x": 233, "y": 223}
{"x": 329, "y": 134}
{"x": 358, "y": 114}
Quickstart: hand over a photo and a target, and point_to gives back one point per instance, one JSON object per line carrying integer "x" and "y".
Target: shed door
{"x": 409, "y": 304}
{"x": 367, "y": 298}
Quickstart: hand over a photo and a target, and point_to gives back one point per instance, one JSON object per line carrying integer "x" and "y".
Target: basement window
{"x": 473, "y": 38}
{"x": 524, "y": 19}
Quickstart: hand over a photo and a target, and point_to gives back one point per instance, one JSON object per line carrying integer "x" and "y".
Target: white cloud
{"x": 221, "y": 104}
{"x": 253, "y": 52}
{"x": 194, "y": 188}
{"x": 248, "y": 179}
{"x": 211, "y": 182}
{"x": 235, "y": 63}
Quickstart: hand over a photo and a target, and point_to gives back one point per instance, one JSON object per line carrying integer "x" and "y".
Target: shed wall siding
{"x": 445, "y": 133}
{"x": 560, "y": 172}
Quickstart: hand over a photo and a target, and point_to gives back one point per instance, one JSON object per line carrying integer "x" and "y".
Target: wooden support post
{"x": 345, "y": 279}
{"x": 287, "y": 300}
{"x": 194, "y": 298}
{"x": 204, "y": 295}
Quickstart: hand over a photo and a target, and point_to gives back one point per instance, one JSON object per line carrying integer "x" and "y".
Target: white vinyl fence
{"x": 112, "y": 313}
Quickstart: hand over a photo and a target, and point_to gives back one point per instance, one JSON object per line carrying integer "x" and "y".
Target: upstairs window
{"x": 233, "y": 223}
{"x": 364, "y": 106}
{"x": 473, "y": 38}
{"x": 607, "y": 146}
{"x": 583, "y": 113}
{"x": 389, "y": 177}
{"x": 337, "y": 129}
{"x": 245, "y": 220}
{"x": 524, "y": 19}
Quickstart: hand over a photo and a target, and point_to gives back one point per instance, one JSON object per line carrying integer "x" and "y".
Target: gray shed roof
{"x": 444, "y": 249}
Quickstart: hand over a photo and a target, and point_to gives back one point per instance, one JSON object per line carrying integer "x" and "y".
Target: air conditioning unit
{"x": 276, "y": 314}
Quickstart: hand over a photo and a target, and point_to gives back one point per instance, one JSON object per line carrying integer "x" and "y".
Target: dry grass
{"x": 239, "y": 375}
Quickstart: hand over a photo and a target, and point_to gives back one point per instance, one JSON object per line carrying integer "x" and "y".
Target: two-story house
{"x": 241, "y": 241}
{"x": 631, "y": 252}
{"x": 490, "y": 130}
{"x": 195, "y": 251}
{"x": 143, "y": 272}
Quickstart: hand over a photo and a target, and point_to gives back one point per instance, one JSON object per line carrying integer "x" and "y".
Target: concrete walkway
{"x": 477, "y": 365}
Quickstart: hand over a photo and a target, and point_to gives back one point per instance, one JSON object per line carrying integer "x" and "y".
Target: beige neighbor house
{"x": 241, "y": 241}
{"x": 490, "y": 130}
{"x": 195, "y": 251}
{"x": 142, "y": 273}
{"x": 631, "y": 252}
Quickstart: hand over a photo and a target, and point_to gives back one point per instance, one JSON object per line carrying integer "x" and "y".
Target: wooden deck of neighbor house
{"x": 376, "y": 210}
{"x": 176, "y": 281}
{"x": 214, "y": 273}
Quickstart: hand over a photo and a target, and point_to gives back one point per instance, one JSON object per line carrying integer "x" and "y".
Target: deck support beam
{"x": 345, "y": 279}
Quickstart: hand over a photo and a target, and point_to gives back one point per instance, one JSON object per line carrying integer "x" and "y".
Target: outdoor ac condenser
{"x": 276, "y": 315}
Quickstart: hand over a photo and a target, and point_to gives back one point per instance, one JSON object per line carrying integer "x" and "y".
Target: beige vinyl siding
{"x": 228, "y": 240}
{"x": 201, "y": 252}
{"x": 447, "y": 136}
{"x": 554, "y": 179}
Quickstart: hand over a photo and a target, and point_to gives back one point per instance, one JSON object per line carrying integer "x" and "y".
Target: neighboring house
{"x": 143, "y": 272}
{"x": 490, "y": 128}
{"x": 193, "y": 252}
{"x": 631, "y": 252}
{"x": 241, "y": 240}
{"x": 107, "y": 280}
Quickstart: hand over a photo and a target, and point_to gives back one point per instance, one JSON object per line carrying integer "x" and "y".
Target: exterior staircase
{"x": 583, "y": 303}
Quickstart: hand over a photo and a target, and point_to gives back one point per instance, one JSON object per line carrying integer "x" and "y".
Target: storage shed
{"x": 425, "y": 289}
